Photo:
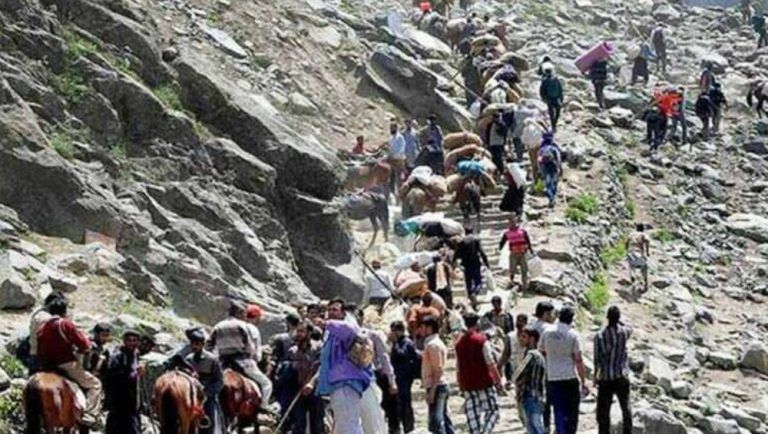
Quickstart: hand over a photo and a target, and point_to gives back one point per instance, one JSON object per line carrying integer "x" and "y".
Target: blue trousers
{"x": 439, "y": 421}
{"x": 473, "y": 278}
{"x": 550, "y": 181}
{"x": 534, "y": 414}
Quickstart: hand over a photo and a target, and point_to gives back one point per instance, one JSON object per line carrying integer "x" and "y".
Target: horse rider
{"x": 233, "y": 342}
{"x": 58, "y": 341}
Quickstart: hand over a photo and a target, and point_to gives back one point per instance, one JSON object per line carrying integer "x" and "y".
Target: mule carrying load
{"x": 422, "y": 191}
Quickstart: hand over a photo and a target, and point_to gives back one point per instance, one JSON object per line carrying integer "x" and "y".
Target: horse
{"x": 178, "y": 400}
{"x": 241, "y": 401}
{"x": 469, "y": 199}
{"x": 368, "y": 205}
{"x": 50, "y": 405}
{"x": 368, "y": 175}
{"x": 416, "y": 201}
{"x": 759, "y": 92}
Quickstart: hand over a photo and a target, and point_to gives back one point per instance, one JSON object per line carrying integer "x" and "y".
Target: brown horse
{"x": 50, "y": 405}
{"x": 416, "y": 201}
{"x": 368, "y": 176}
{"x": 178, "y": 403}
{"x": 241, "y": 401}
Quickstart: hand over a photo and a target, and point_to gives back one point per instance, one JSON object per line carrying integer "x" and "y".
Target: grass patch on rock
{"x": 616, "y": 253}
{"x": 581, "y": 207}
{"x": 664, "y": 235}
{"x": 169, "y": 96}
{"x": 597, "y": 294}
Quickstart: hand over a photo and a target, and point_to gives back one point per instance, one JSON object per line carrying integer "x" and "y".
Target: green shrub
{"x": 597, "y": 294}
{"x": 118, "y": 148}
{"x": 62, "y": 143}
{"x": 169, "y": 96}
{"x": 11, "y": 411}
{"x": 12, "y": 366}
{"x": 539, "y": 187}
{"x": 71, "y": 86}
{"x": 615, "y": 253}
{"x": 77, "y": 45}
{"x": 664, "y": 235}
{"x": 631, "y": 210}
{"x": 581, "y": 206}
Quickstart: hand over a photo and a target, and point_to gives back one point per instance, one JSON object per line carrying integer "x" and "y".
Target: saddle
{"x": 77, "y": 392}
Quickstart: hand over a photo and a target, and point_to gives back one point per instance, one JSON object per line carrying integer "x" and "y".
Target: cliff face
{"x": 207, "y": 193}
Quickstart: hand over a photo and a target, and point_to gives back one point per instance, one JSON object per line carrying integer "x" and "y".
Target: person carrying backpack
{"x": 705, "y": 112}
{"x": 598, "y": 75}
{"x": 551, "y": 92}
{"x": 758, "y": 24}
{"x": 640, "y": 67}
{"x": 707, "y": 78}
{"x": 550, "y": 165}
{"x": 660, "y": 47}
{"x": 717, "y": 98}
{"x": 656, "y": 127}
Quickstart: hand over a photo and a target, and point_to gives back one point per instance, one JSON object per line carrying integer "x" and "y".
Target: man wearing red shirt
{"x": 479, "y": 378}
{"x": 57, "y": 341}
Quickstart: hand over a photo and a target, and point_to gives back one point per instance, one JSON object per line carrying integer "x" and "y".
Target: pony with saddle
{"x": 51, "y": 404}
{"x": 241, "y": 402}
{"x": 177, "y": 401}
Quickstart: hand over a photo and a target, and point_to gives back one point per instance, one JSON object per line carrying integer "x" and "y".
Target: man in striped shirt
{"x": 529, "y": 378}
{"x": 611, "y": 371}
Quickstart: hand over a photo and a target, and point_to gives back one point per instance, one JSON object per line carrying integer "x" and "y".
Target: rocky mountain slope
{"x": 159, "y": 157}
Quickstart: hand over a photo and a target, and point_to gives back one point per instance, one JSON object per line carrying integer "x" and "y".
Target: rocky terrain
{"x": 158, "y": 157}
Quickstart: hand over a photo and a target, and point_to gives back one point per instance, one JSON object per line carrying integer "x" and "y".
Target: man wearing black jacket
{"x": 470, "y": 253}
{"x": 121, "y": 386}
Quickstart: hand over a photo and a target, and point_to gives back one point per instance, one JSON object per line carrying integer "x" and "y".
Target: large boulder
{"x": 15, "y": 292}
{"x": 426, "y": 44}
{"x": 755, "y": 357}
{"x": 414, "y": 88}
{"x": 717, "y": 425}
{"x": 300, "y": 162}
{"x": 751, "y": 226}
{"x": 653, "y": 421}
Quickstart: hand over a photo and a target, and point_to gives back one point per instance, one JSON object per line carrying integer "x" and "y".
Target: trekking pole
{"x": 293, "y": 403}
{"x": 372, "y": 271}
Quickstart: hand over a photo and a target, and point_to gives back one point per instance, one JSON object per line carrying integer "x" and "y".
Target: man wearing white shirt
{"x": 378, "y": 285}
{"x": 396, "y": 157}
{"x": 253, "y": 317}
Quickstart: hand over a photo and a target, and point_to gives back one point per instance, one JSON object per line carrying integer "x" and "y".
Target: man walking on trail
{"x": 122, "y": 376}
{"x": 758, "y": 24}
{"x": 659, "y": 41}
{"x": 514, "y": 351}
{"x": 209, "y": 372}
{"x": 478, "y": 378}
{"x": 302, "y": 361}
{"x": 550, "y": 165}
{"x": 433, "y": 377}
{"x": 565, "y": 371}
{"x": 470, "y": 253}
{"x": 341, "y": 378}
{"x": 718, "y": 101}
{"x": 598, "y": 75}
{"x": 519, "y": 245}
{"x": 396, "y": 157}
{"x": 378, "y": 285}
{"x": 496, "y": 141}
{"x": 612, "y": 372}
{"x": 545, "y": 317}
{"x": 412, "y": 147}
{"x": 439, "y": 277}
{"x": 638, "y": 250}
{"x": 551, "y": 92}
{"x": 432, "y": 138}
{"x": 655, "y": 127}
{"x": 530, "y": 377}
{"x": 406, "y": 362}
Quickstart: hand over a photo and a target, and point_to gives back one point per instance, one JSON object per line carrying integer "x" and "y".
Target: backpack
{"x": 657, "y": 37}
{"x": 361, "y": 351}
{"x": 23, "y": 352}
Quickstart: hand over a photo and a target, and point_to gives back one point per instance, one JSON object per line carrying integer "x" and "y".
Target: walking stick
{"x": 293, "y": 403}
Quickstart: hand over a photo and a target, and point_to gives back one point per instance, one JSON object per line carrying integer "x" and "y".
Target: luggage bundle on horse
{"x": 484, "y": 44}
{"x": 457, "y": 140}
{"x": 519, "y": 62}
{"x": 464, "y": 153}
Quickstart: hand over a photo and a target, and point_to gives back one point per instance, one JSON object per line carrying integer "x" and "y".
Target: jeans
{"x": 554, "y": 114}
{"x": 550, "y": 181}
{"x": 439, "y": 421}
{"x": 654, "y": 136}
{"x": 345, "y": 404}
{"x": 705, "y": 127}
{"x": 605, "y": 391}
{"x": 533, "y": 408}
{"x": 565, "y": 398}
